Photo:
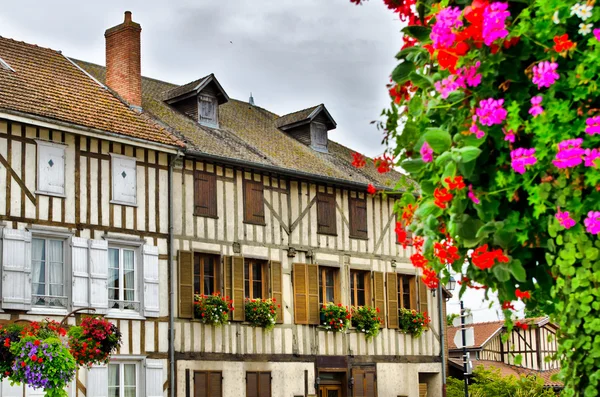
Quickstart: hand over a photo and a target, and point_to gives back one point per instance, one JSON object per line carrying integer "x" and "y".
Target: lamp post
{"x": 450, "y": 287}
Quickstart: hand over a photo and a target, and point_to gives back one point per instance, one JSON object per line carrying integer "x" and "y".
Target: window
{"x": 328, "y": 285}
{"x": 255, "y": 283}
{"x": 205, "y": 194}
{"x": 51, "y": 168}
{"x": 123, "y": 380}
{"x": 122, "y": 288}
{"x": 358, "y": 216}
{"x": 359, "y": 287}
{"x": 206, "y": 274}
{"x": 124, "y": 180}
{"x": 208, "y": 110}
{"x": 258, "y": 384}
{"x": 254, "y": 202}
{"x": 407, "y": 297}
{"x": 319, "y": 136}
{"x": 326, "y": 214}
{"x": 208, "y": 384}
{"x": 47, "y": 272}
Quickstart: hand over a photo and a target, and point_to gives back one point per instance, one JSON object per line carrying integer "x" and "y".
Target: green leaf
{"x": 428, "y": 208}
{"x": 420, "y": 80}
{"x": 518, "y": 271}
{"x": 501, "y": 272}
{"x": 518, "y": 359}
{"x": 415, "y": 106}
{"x": 486, "y": 229}
{"x": 410, "y": 51}
{"x": 469, "y": 153}
{"x": 450, "y": 170}
{"x": 438, "y": 139}
{"x": 420, "y": 33}
{"x": 401, "y": 73}
{"x": 412, "y": 166}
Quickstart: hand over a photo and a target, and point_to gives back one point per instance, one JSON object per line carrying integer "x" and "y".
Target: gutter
{"x": 172, "y": 280}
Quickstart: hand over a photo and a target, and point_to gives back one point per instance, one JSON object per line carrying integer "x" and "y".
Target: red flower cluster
{"x": 418, "y": 260}
{"x": 523, "y": 294}
{"x": 430, "y": 278}
{"x": 371, "y": 189}
{"x": 506, "y": 305}
{"x": 456, "y": 183}
{"x": 93, "y": 341}
{"x": 402, "y": 93}
{"x": 562, "y": 43}
{"x": 441, "y": 196}
{"x": 521, "y": 325}
{"x": 358, "y": 160}
{"x": 383, "y": 164}
{"x": 401, "y": 235}
{"x": 484, "y": 259}
{"x": 446, "y": 253}
{"x": 408, "y": 213}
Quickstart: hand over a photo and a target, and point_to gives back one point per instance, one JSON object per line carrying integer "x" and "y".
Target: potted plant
{"x": 261, "y": 313}
{"x": 335, "y": 317}
{"x": 93, "y": 341}
{"x": 212, "y": 309}
{"x": 367, "y": 320}
{"x": 412, "y": 322}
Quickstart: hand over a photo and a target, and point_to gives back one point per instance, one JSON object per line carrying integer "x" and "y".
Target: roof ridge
{"x": 30, "y": 44}
{"x": 303, "y": 110}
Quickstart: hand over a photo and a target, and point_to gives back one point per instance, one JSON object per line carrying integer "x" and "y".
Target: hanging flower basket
{"x": 261, "y": 313}
{"x": 412, "y": 322}
{"x": 367, "y": 320}
{"x": 212, "y": 309}
{"x": 335, "y": 317}
{"x": 93, "y": 341}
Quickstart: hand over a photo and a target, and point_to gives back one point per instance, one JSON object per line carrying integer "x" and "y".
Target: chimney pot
{"x": 127, "y": 16}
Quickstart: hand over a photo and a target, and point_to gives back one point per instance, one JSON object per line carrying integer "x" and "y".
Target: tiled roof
{"x": 248, "y": 133}
{"x": 512, "y": 370}
{"x": 44, "y": 83}
{"x": 295, "y": 117}
{"x": 184, "y": 89}
{"x": 483, "y": 332}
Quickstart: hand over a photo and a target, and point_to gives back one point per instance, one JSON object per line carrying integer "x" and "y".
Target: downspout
{"x": 172, "y": 285}
{"x": 442, "y": 338}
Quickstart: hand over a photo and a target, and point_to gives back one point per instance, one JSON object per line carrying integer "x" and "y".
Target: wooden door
{"x": 330, "y": 391}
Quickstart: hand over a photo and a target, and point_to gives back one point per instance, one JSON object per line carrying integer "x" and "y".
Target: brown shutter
{"x": 392, "y": 300}
{"x": 264, "y": 384}
{"x": 379, "y": 294}
{"x": 276, "y": 289}
{"x": 205, "y": 194}
{"x": 358, "y": 218}
{"x": 423, "y": 295}
{"x": 254, "y": 202}
{"x": 358, "y": 390}
{"x": 201, "y": 385}
{"x": 337, "y": 288}
{"x": 237, "y": 286}
{"x": 252, "y": 384}
{"x": 313, "y": 295}
{"x": 215, "y": 383}
{"x": 326, "y": 214}
{"x": 300, "y": 293}
{"x": 365, "y": 382}
{"x": 227, "y": 263}
{"x": 186, "y": 284}
{"x": 422, "y": 389}
{"x": 370, "y": 384}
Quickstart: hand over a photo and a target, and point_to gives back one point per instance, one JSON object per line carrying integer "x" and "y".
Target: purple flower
{"x": 472, "y": 196}
{"x": 494, "y": 22}
{"x": 592, "y": 222}
{"x": 475, "y": 129}
{"x": 544, "y": 74}
{"x": 468, "y": 76}
{"x": 521, "y": 158}
{"x": 565, "y": 220}
{"x": 426, "y": 153}
{"x": 536, "y": 107}
{"x": 491, "y": 112}
{"x": 590, "y": 156}
{"x": 446, "y": 86}
{"x": 441, "y": 32}
{"x": 593, "y": 124}
{"x": 570, "y": 153}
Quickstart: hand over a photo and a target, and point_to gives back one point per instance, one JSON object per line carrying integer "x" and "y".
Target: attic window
{"x": 5, "y": 65}
{"x": 207, "y": 110}
{"x": 319, "y": 137}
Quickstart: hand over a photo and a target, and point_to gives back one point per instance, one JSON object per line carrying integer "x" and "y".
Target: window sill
{"x": 254, "y": 223}
{"x": 124, "y": 314}
{"x": 207, "y": 216}
{"x": 47, "y": 311}
{"x": 50, "y": 194}
{"x": 123, "y": 203}
{"x": 359, "y": 238}
{"x": 327, "y": 234}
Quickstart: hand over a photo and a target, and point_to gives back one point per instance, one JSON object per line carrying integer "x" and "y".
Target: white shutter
{"x": 16, "y": 269}
{"x": 81, "y": 276}
{"x": 51, "y": 168}
{"x": 124, "y": 180}
{"x": 97, "y": 381}
{"x": 151, "y": 285}
{"x": 154, "y": 378}
{"x": 99, "y": 275}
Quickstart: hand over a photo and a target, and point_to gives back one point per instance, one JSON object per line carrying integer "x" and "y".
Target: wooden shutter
{"x": 423, "y": 295}
{"x": 365, "y": 382}
{"x": 154, "y": 378}
{"x": 227, "y": 264}
{"x": 124, "y": 179}
{"x": 252, "y": 384}
{"x": 300, "y": 293}
{"x": 358, "y": 218}
{"x": 379, "y": 294}
{"x": 99, "y": 275}
{"x": 205, "y": 194}
{"x": 16, "y": 269}
{"x": 314, "y": 315}
{"x": 264, "y": 384}
{"x": 254, "y": 204}
{"x": 81, "y": 274}
{"x": 422, "y": 389}
{"x": 151, "y": 283}
{"x": 51, "y": 168}
{"x": 276, "y": 288}
{"x": 392, "y": 300}
{"x": 97, "y": 381}
{"x": 208, "y": 384}
{"x": 326, "y": 214}
{"x": 186, "y": 284}
{"x": 237, "y": 286}
{"x": 215, "y": 384}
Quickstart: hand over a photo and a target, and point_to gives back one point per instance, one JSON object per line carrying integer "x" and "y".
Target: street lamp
{"x": 451, "y": 284}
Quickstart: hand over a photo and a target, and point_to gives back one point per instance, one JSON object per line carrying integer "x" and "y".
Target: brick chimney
{"x": 123, "y": 60}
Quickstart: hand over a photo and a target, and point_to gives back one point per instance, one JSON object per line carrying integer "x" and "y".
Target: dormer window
{"x": 309, "y": 126}
{"x": 207, "y": 110}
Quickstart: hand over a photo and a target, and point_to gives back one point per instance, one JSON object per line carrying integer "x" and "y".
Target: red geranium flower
{"x": 562, "y": 43}
{"x": 456, "y": 183}
{"x": 358, "y": 160}
{"x": 521, "y": 325}
{"x": 506, "y": 305}
{"x": 418, "y": 260}
{"x": 441, "y": 197}
{"x": 371, "y": 189}
{"x": 484, "y": 259}
{"x": 523, "y": 294}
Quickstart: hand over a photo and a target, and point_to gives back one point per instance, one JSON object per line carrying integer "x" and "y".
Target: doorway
{"x": 330, "y": 391}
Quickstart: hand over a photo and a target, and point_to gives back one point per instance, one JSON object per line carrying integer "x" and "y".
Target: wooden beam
{"x": 18, "y": 179}
{"x": 303, "y": 214}
{"x": 276, "y": 215}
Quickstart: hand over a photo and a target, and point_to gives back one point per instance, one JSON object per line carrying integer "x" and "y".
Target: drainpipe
{"x": 442, "y": 338}
{"x": 172, "y": 286}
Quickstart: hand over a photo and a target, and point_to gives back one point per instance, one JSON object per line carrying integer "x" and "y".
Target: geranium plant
{"x": 93, "y": 341}
{"x": 367, "y": 320}
{"x": 335, "y": 317}
{"x": 496, "y": 116}
{"x": 413, "y": 322}
{"x": 261, "y": 313}
{"x": 212, "y": 309}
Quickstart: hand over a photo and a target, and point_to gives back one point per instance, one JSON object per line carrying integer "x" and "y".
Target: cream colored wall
{"x": 403, "y": 379}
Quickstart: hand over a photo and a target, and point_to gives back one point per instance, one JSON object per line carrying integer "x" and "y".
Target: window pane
{"x": 209, "y": 275}
{"x": 55, "y": 270}
{"x": 330, "y": 294}
{"x": 38, "y": 249}
{"x": 330, "y": 277}
{"x": 128, "y": 276}
{"x": 256, "y": 272}
{"x": 129, "y": 376}
{"x": 113, "y": 380}
{"x": 257, "y": 289}
{"x": 197, "y": 285}
{"x": 113, "y": 257}
{"x": 197, "y": 265}
{"x": 321, "y": 288}
{"x": 361, "y": 297}
{"x": 360, "y": 280}
{"x": 38, "y": 268}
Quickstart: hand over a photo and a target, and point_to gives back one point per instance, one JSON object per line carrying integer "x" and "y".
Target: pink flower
{"x": 597, "y": 33}
{"x": 590, "y": 156}
{"x": 494, "y": 22}
{"x": 491, "y": 112}
{"x": 536, "y": 108}
{"x": 593, "y": 123}
{"x": 475, "y": 129}
{"x": 468, "y": 76}
{"x": 569, "y": 153}
{"x": 565, "y": 220}
{"x": 472, "y": 196}
{"x": 426, "y": 153}
{"x": 446, "y": 86}
{"x": 521, "y": 158}
{"x": 592, "y": 222}
{"x": 509, "y": 135}
{"x": 441, "y": 32}
{"x": 544, "y": 74}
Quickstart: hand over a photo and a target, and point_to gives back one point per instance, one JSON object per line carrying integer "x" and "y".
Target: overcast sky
{"x": 291, "y": 54}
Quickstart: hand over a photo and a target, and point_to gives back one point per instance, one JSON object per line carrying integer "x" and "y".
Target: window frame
{"x": 353, "y": 232}
{"x": 121, "y": 303}
{"x": 258, "y": 374}
{"x": 249, "y": 292}
{"x": 138, "y": 377}
{"x": 113, "y": 180}
{"x": 216, "y": 272}
{"x": 323, "y": 285}
{"x": 354, "y": 274}
{"x": 214, "y": 122}
{"x": 411, "y": 291}
{"x": 49, "y": 144}
{"x": 65, "y": 268}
